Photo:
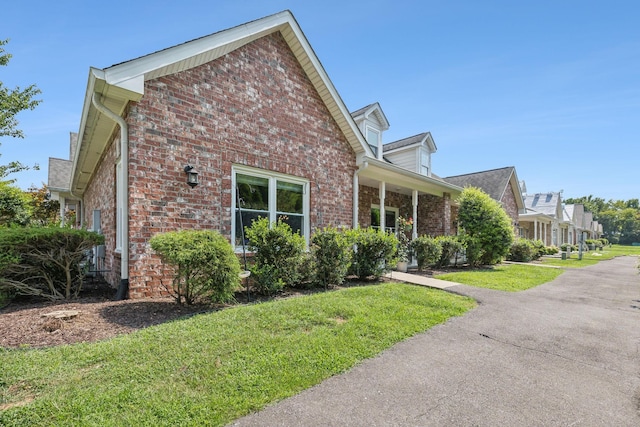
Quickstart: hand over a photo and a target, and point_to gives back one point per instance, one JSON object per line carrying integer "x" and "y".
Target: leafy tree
{"x": 13, "y": 101}
{"x": 486, "y": 225}
{"x": 620, "y": 219}
{"x": 15, "y": 208}
{"x": 44, "y": 211}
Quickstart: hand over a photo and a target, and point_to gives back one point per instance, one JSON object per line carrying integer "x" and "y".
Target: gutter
{"x": 124, "y": 183}
{"x": 356, "y": 192}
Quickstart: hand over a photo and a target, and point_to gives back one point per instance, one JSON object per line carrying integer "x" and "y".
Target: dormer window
{"x": 424, "y": 163}
{"x": 373, "y": 139}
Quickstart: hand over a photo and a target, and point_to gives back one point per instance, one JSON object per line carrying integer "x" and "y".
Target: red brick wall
{"x": 101, "y": 194}
{"x": 255, "y": 107}
{"x": 436, "y": 215}
{"x": 368, "y": 196}
{"x": 510, "y": 206}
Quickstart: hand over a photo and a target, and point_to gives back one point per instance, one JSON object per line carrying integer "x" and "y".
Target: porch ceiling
{"x": 403, "y": 181}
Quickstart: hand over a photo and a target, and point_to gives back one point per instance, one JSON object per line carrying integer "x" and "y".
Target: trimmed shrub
{"x": 374, "y": 252}
{"x": 484, "y": 220}
{"x": 204, "y": 265}
{"x": 48, "y": 262}
{"x": 551, "y": 250}
{"x": 522, "y": 250}
{"x": 451, "y": 246}
{"x": 278, "y": 255}
{"x": 427, "y": 251}
{"x": 565, "y": 246}
{"x": 331, "y": 253}
{"x": 539, "y": 248}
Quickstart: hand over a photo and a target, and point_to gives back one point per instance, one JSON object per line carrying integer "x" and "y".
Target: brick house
{"x": 253, "y": 112}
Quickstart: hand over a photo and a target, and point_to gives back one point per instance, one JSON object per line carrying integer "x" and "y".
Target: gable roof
{"x": 372, "y": 109}
{"x": 424, "y": 138}
{"x": 119, "y": 84}
{"x": 494, "y": 182}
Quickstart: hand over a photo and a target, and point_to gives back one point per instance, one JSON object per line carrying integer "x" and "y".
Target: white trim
{"x": 273, "y": 177}
{"x": 378, "y": 144}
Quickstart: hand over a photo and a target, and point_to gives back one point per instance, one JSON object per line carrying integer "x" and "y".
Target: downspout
{"x": 356, "y": 192}
{"x": 124, "y": 182}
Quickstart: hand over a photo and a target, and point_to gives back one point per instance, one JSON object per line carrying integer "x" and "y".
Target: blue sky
{"x": 550, "y": 87}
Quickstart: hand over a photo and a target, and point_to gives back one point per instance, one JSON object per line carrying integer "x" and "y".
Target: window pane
{"x": 375, "y": 217}
{"x": 254, "y": 192}
{"x": 247, "y": 219}
{"x": 289, "y": 197}
{"x": 390, "y": 220}
{"x": 295, "y": 222}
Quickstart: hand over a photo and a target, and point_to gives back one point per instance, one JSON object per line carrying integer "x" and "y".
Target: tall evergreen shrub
{"x": 487, "y": 226}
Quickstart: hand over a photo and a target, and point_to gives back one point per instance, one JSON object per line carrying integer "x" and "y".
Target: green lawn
{"x": 593, "y": 257}
{"x": 504, "y": 277}
{"x": 213, "y": 368}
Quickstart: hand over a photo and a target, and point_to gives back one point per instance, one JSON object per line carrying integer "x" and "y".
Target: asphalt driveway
{"x": 566, "y": 353}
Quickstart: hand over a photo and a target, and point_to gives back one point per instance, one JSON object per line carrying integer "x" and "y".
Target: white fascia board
{"x": 119, "y": 75}
{"x": 94, "y": 75}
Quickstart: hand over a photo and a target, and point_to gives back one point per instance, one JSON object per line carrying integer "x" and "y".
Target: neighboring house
{"x": 581, "y": 223}
{"x": 215, "y": 132}
{"x": 58, "y": 180}
{"x": 568, "y": 213}
{"x": 501, "y": 185}
{"x": 544, "y": 218}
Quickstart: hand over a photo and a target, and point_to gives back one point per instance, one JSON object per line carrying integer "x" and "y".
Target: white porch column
{"x": 544, "y": 233}
{"x": 382, "y": 190}
{"x": 414, "y": 200}
{"x": 535, "y": 229}
{"x": 63, "y": 203}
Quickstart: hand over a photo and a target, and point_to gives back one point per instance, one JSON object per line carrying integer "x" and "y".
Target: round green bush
{"x": 522, "y": 250}
{"x": 374, "y": 252}
{"x": 204, "y": 264}
{"x": 427, "y": 250}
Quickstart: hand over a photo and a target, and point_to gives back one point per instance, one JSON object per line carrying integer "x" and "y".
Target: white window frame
{"x": 119, "y": 205}
{"x": 273, "y": 178}
{"x": 388, "y": 209}
{"x": 377, "y": 144}
{"x": 421, "y": 165}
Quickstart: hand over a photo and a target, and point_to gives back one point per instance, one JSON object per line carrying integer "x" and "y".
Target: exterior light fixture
{"x": 192, "y": 176}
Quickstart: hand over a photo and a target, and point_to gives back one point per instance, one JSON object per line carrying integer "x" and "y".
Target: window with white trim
{"x": 424, "y": 163}
{"x": 261, "y": 194}
{"x": 373, "y": 139}
{"x": 390, "y": 218}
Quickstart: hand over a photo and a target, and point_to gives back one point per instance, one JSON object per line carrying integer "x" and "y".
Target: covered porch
{"x": 384, "y": 193}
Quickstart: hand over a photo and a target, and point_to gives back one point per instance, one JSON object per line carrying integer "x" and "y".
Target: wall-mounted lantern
{"x": 192, "y": 176}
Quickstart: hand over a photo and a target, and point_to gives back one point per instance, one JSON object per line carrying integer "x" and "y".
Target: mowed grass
{"x": 593, "y": 257}
{"x": 504, "y": 277}
{"x": 213, "y": 368}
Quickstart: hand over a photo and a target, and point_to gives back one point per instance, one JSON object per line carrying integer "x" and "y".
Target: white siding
{"x": 405, "y": 159}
